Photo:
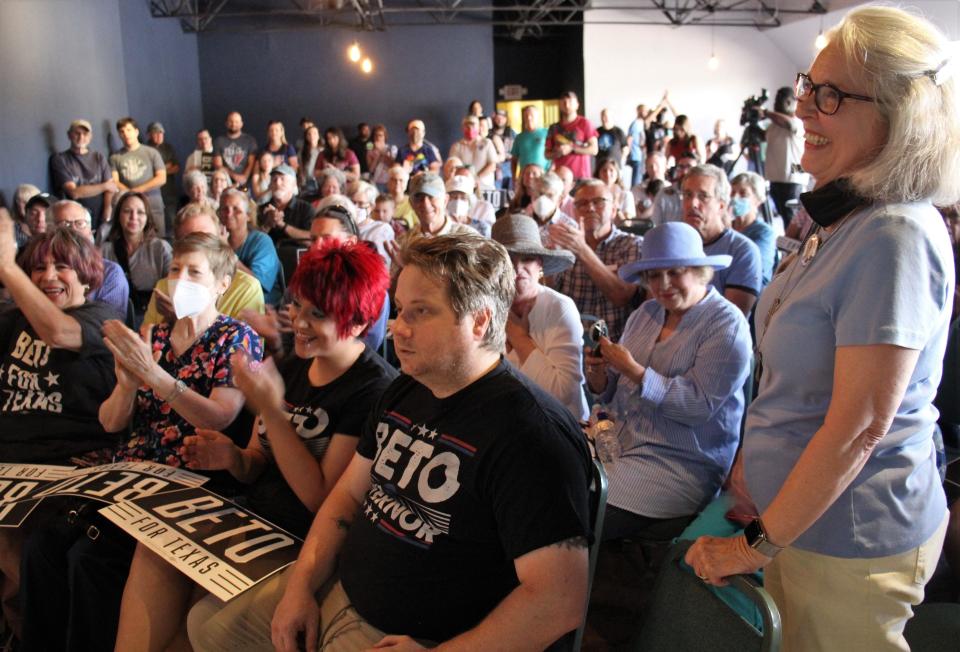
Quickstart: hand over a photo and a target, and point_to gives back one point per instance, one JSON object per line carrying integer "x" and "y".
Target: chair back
{"x": 598, "y": 507}
{"x": 935, "y": 626}
{"x": 684, "y": 614}
{"x": 289, "y": 252}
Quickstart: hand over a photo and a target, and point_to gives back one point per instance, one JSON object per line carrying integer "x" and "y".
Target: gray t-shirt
{"x": 137, "y": 167}
{"x": 84, "y": 170}
{"x": 235, "y": 151}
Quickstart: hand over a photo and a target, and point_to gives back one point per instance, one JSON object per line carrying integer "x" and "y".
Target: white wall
{"x": 625, "y": 65}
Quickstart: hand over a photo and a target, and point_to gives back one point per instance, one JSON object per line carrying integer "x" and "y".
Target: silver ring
{"x": 703, "y": 577}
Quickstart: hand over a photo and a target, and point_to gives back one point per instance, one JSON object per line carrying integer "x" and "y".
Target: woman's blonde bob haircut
{"x": 912, "y": 72}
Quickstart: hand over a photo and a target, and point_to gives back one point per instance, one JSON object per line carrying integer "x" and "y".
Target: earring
{"x": 541, "y": 275}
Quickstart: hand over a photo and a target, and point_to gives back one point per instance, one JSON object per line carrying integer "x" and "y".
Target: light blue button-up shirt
{"x": 681, "y": 426}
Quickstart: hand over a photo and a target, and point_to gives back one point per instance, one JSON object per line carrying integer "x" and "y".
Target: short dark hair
{"x": 340, "y": 214}
{"x": 123, "y": 122}
{"x": 784, "y": 95}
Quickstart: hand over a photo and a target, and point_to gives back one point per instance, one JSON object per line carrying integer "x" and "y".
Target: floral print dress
{"x": 157, "y": 430}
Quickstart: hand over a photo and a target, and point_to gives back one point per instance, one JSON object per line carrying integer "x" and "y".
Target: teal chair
{"x": 685, "y": 616}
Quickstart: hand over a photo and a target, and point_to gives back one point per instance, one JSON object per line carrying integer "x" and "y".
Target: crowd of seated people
{"x": 430, "y": 314}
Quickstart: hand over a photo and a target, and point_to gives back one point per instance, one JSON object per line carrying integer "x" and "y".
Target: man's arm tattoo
{"x": 573, "y": 543}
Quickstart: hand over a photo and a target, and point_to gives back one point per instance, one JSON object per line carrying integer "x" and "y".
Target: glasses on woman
{"x": 827, "y": 97}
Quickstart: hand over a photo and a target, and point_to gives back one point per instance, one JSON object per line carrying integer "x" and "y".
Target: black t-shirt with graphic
{"x": 50, "y": 398}
{"x": 317, "y": 413}
{"x": 610, "y": 143}
{"x": 461, "y": 487}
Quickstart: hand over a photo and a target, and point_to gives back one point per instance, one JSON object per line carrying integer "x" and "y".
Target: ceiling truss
{"x": 509, "y": 17}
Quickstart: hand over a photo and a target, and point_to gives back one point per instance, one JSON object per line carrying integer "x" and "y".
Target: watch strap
{"x": 757, "y": 539}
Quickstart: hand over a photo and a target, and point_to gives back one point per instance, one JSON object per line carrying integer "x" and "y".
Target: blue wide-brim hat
{"x": 673, "y": 244}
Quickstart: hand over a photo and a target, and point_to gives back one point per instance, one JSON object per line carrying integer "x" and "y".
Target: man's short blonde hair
{"x": 477, "y": 273}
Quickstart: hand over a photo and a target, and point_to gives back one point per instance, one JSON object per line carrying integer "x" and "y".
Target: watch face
{"x": 754, "y": 532}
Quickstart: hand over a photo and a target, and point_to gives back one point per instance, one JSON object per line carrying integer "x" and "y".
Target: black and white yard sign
{"x": 19, "y": 484}
{"x": 217, "y": 544}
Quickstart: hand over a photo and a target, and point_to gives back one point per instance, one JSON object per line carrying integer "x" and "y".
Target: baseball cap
{"x": 283, "y": 168}
{"x": 460, "y": 183}
{"x": 156, "y": 126}
{"x": 80, "y": 123}
{"x": 44, "y": 198}
{"x": 427, "y": 183}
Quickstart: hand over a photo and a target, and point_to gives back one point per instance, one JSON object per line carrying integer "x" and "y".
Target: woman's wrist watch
{"x": 757, "y": 539}
{"x": 178, "y": 388}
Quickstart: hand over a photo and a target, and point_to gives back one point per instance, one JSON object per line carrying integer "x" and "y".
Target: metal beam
{"x": 532, "y": 17}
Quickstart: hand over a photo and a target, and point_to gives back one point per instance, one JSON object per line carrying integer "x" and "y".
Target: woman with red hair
{"x": 310, "y": 409}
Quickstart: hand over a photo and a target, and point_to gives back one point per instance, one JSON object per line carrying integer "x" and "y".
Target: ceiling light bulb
{"x": 713, "y": 63}
{"x": 820, "y": 42}
{"x": 354, "y": 52}
{"x": 367, "y": 66}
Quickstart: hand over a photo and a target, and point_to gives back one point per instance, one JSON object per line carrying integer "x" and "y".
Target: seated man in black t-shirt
{"x": 463, "y": 515}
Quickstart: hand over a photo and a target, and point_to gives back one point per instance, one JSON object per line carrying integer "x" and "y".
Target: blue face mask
{"x": 740, "y": 206}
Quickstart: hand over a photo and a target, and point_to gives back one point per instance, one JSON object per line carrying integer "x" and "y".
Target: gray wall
{"x": 162, "y": 75}
{"x": 426, "y": 72}
{"x": 95, "y": 59}
{"x": 104, "y": 59}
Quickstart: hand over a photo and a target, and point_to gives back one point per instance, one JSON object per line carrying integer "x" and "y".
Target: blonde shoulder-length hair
{"x": 912, "y": 72}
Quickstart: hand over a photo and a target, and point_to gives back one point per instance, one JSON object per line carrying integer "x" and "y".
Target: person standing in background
{"x": 139, "y": 168}
{"x": 156, "y": 135}
{"x": 83, "y": 175}
{"x": 572, "y": 141}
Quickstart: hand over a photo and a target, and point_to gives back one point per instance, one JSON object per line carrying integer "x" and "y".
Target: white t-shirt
{"x": 477, "y": 154}
{"x": 784, "y": 150}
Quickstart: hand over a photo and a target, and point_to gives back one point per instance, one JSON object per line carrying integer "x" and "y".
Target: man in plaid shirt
{"x": 601, "y": 249}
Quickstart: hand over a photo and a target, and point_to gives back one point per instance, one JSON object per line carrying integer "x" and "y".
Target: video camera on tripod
{"x": 753, "y": 134}
{"x": 750, "y": 119}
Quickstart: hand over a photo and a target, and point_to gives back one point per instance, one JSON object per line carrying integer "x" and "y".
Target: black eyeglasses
{"x": 827, "y": 97}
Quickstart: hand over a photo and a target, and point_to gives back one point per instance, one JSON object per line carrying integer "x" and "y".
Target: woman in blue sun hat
{"x": 673, "y": 385}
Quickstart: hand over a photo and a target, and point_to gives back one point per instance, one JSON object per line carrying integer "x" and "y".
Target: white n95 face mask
{"x": 543, "y": 206}
{"x": 189, "y": 298}
{"x": 458, "y": 207}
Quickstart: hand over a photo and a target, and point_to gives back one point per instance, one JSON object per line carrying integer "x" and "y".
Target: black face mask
{"x": 828, "y": 204}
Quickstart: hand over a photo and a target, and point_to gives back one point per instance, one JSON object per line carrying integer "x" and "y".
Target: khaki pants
{"x": 244, "y": 622}
{"x": 834, "y": 603}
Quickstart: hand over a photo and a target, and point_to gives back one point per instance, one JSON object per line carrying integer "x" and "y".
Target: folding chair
{"x": 686, "y": 616}
{"x": 935, "y": 626}
{"x": 598, "y": 507}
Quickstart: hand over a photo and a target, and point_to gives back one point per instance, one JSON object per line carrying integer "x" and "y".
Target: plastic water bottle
{"x": 605, "y": 439}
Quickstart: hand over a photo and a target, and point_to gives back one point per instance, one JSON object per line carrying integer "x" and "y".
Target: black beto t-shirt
{"x": 50, "y": 398}
{"x": 317, "y": 413}
{"x": 461, "y": 487}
